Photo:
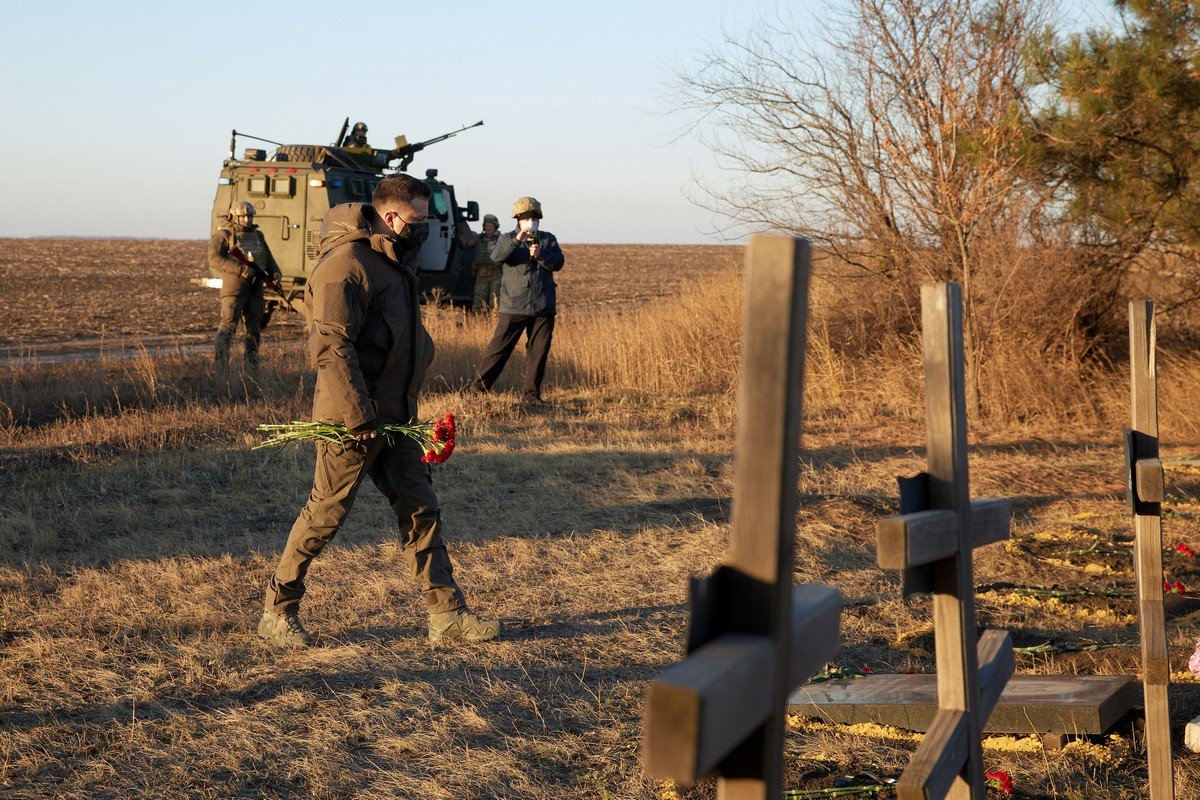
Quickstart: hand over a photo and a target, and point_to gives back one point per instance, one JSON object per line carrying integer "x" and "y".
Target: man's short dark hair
{"x": 399, "y": 188}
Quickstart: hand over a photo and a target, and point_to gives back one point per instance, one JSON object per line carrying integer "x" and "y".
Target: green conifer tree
{"x": 1122, "y": 134}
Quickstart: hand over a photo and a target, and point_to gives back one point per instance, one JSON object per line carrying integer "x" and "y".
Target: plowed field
{"x": 60, "y": 289}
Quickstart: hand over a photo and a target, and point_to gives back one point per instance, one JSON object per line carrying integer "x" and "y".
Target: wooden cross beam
{"x": 932, "y": 541}
{"x": 1144, "y": 484}
{"x": 753, "y": 636}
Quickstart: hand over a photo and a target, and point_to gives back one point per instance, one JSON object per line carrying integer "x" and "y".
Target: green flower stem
{"x": 1046, "y": 647}
{"x": 1096, "y": 550}
{"x": 1034, "y": 591}
{"x": 835, "y": 791}
{"x": 337, "y": 433}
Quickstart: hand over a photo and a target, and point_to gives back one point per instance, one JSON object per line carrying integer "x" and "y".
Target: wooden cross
{"x": 753, "y": 636}
{"x": 932, "y": 541}
{"x": 1144, "y": 485}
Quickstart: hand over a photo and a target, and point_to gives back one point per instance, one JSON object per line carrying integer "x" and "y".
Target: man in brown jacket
{"x": 239, "y": 256}
{"x": 371, "y": 352}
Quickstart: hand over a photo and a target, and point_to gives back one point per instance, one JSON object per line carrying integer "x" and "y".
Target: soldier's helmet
{"x": 492, "y": 218}
{"x": 360, "y": 127}
{"x": 527, "y": 207}
{"x": 243, "y": 208}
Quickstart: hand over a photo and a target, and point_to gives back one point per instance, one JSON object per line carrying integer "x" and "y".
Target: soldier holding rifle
{"x": 239, "y": 256}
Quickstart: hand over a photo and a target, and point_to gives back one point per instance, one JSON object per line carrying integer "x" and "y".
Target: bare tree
{"x": 898, "y": 147}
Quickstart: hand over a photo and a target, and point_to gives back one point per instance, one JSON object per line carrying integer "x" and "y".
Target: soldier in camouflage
{"x": 486, "y": 271}
{"x": 239, "y": 256}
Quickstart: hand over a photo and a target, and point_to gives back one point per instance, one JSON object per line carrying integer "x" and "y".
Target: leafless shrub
{"x": 899, "y": 148}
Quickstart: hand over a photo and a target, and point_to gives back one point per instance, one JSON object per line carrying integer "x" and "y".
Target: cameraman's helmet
{"x": 243, "y": 208}
{"x": 527, "y": 207}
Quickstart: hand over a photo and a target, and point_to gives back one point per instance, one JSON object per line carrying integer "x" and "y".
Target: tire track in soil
{"x": 116, "y": 347}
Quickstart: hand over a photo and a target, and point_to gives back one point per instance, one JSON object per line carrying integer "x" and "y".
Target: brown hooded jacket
{"x": 365, "y": 333}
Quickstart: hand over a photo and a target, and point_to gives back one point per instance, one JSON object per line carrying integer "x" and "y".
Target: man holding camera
{"x": 530, "y": 257}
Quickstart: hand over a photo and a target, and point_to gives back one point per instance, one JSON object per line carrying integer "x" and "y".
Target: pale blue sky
{"x": 114, "y": 117}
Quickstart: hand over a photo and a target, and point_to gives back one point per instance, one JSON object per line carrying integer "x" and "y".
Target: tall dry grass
{"x": 682, "y": 347}
{"x": 689, "y": 346}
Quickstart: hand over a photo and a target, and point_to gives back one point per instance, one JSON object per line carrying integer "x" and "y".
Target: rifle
{"x": 405, "y": 151}
{"x": 237, "y": 254}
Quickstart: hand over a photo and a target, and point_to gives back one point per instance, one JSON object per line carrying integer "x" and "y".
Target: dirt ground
{"x": 139, "y": 530}
{"x": 55, "y": 289}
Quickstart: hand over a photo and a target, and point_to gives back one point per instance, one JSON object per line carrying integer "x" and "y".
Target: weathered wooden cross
{"x": 932, "y": 541}
{"x": 1144, "y": 484}
{"x": 753, "y": 636}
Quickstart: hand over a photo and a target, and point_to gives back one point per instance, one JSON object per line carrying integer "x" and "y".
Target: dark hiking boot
{"x": 461, "y": 625}
{"x": 284, "y": 630}
{"x": 533, "y": 403}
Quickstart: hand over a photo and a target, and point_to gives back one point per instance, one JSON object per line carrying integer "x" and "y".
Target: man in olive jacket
{"x": 527, "y": 300}
{"x": 371, "y": 351}
{"x": 239, "y": 256}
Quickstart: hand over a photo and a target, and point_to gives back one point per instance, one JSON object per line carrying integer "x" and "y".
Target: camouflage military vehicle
{"x": 295, "y": 184}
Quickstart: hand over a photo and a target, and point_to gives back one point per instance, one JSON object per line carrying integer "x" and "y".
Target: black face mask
{"x": 413, "y": 234}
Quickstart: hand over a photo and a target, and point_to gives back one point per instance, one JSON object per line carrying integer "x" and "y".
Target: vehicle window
{"x": 438, "y": 205}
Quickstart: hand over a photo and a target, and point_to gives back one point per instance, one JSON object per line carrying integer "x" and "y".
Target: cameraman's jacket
{"x": 527, "y": 288}
{"x": 365, "y": 332}
{"x": 233, "y": 272}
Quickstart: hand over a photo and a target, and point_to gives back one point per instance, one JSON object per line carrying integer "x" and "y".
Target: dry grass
{"x": 140, "y": 530}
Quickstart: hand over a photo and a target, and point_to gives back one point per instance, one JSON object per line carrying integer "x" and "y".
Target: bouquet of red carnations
{"x": 436, "y": 438}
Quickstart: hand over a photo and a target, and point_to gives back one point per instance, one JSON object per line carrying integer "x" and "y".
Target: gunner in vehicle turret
{"x": 357, "y": 136}
{"x": 355, "y": 144}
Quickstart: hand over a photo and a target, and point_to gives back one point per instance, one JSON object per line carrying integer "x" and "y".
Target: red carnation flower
{"x": 1183, "y": 549}
{"x": 1174, "y": 587}
{"x": 442, "y": 443}
{"x": 998, "y": 779}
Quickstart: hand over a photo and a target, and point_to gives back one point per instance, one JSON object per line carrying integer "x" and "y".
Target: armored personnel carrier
{"x": 292, "y": 187}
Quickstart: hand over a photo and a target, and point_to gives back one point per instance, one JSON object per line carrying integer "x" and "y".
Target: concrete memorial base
{"x": 1051, "y": 706}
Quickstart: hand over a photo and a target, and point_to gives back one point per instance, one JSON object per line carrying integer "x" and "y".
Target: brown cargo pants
{"x": 236, "y": 307}
{"x": 399, "y": 473}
